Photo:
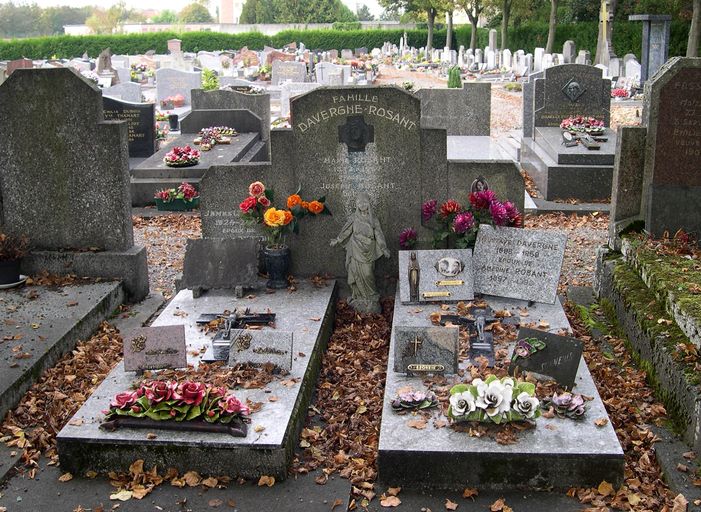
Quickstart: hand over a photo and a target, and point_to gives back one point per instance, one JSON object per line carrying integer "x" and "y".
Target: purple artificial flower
{"x": 428, "y": 210}
{"x": 498, "y": 213}
{"x": 407, "y": 238}
{"x": 482, "y": 200}
{"x": 463, "y": 222}
{"x": 513, "y": 214}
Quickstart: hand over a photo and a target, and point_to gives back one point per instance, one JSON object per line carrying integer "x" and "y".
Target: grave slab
{"x": 308, "y": 313}
{"x": 62, "y": 316}
{"x": 550, "y": 139}
{"x": 558, "y": 453}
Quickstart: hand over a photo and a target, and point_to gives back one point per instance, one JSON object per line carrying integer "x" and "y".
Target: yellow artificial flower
{"x": 274, "y": 218}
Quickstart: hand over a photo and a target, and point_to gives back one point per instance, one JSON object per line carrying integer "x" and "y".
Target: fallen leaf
{"x": 266, "y": 480}
{"x": 192, "y": 478}
{"x": 336, "y": 503}
{"x": 605, "y": 488}
{"x": 216, "y": 502}
{"x": 394, "y": 491}
{"x": 682, "y": 468}
{"x": 634, "y": 499}
{"x": 679, "y": 504}
{"x": 419, "y": 423}
{"x": 210, "y": 482}
{"x": 259, "y": 428}
{"x": 122, "y": 495}
{"x": 390, "y": 501}
{"x": 450, "y": 505}
{"x": 470, "y": 493}
{"x": 601, "y": 422}
{"x": 66, "y": 477}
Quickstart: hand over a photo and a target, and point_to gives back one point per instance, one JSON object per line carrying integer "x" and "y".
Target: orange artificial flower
{"x": 305, "y": 205}
{"x": 294, "y": 200}
{"x": 316, "y": 207}
{"x": 288, "y": 217}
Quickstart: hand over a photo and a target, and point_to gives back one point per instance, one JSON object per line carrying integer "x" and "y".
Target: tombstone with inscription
{"x": 258, "y": 348}
{"x": 656, "y": 28}
{"x": 155, "y": 348}
{"x": 419, "y": 350}
{"x": 438, "y": 275}
{"x": 288, "y": 72}
{"x": 140, "y": 118}
{"x": 173, "y": 82}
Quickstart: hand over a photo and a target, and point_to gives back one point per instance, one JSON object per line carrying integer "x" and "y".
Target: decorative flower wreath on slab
{"x": 583, "y": 124}
{"x": 494, "y": 400}
{"x": 185, "y": 191}
{"x": 178, "y": 406}
{"x": 209, "y": 137}
{"x": 414, "y": 401}
{"x": 567, "y": 405}
{"x": 181, "y": 156}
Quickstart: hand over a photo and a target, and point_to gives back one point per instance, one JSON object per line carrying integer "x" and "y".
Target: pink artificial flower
{"x": 463, "y": 222}
{"x": 191, "y": 393}
{"x": 264, "y": 201}
{"x": 159, "y": 391}
{"x": 124, "y": 400}
{"x": 256, "y": 189}
{"x": 232, "y": 405}
{"x": 428, "y": 210}
{"x": 482, "y": 200}
{"x": 498, "y": 213}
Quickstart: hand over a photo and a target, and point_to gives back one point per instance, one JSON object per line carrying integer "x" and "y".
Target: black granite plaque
{"x": 140, "y": 119}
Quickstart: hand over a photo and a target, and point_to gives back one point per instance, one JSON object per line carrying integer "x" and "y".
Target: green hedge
{"x": 627, "y": 39}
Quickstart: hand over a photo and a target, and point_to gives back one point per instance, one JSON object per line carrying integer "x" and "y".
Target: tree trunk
{"x": 505, "y": 13}
{"x": 551, "y": 28}
{"x": 692, "y": 46}
{"x": 429, "y": 40}
{"x": 449, "y": 33}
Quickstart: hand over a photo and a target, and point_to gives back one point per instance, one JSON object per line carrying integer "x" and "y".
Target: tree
{"x": 389, "y": 16}
{"x": 551, "y": 26}
{"x": 166, "y": 16}
{"x": 418, "y": 8}
{"x": 54, "y": 18}
{"x": 102, "y": 22}
{"x": 474, "y": 9}
{"x": 692, "y": 46}
{"x": 364, "y": 14}
{"x": 195, "y": 13}
{"x": 505, "y": 14}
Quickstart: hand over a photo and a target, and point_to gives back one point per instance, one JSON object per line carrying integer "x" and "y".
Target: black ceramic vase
{"x": 9, "y": 271}
{"x": 277, "y": 262}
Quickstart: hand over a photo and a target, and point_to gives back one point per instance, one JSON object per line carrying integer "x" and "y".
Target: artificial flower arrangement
{"x": 414, "y": 401}
{"x": 185, "y": 191}
{"x": 169, "y": 401}
{"x": 209, "y": 137}
{"x": 160, "y": 116}
{"x": 619, "y": 92}
{"x": 182, "y": 156}
{"x": 494, "y": 400}
{"x": 258, "y": 208}
{"x": 581, "y": 124}
{"x": 173, "y": 102}
{"x": 162, "y": 131}
{"x": 457, "y": 224}
{"x": 567, "y": 405}
{"x": 90, "y": 75}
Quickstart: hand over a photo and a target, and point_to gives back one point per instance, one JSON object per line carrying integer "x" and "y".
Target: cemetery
{"x": 294, "y": 278}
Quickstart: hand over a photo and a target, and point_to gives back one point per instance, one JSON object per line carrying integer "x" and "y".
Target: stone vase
{"x": 277, "y": 263}
{"x": 9, "y": 271}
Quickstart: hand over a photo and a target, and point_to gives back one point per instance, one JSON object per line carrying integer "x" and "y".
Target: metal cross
{"x": 417, "y": 342}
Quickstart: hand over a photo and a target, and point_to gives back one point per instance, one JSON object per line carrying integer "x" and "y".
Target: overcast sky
{"x": 174, "y": 5}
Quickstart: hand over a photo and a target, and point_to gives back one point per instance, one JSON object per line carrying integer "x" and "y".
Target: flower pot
{"x": 9, "y": 271}
{"x": 173, "y": 121}
{"x": 277, "y": 262}
{"x": 177, "y": 205}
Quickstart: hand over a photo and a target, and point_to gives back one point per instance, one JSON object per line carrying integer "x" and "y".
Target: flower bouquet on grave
{"x": 182, "y": 156}
{"x": 414, "y": 401}
{"x": 90, "y": 75}
{"x": 183, "y": 198}
{"x": 619, "y": 93}
{"x": 207, "y": 138}
{"x": 185, "y": 406}
{"x": 258, "y": 208}
{"x": 494, "y": 400}
{"x": 583, "y": 124}
{"x": 456, "y": 226}
{"x": 567, "y": 405}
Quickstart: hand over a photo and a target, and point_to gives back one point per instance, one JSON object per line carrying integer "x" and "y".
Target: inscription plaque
{"x": 261, "y": 347}
{"x": 155, "y": 348}
{"x": 426, "y": 349}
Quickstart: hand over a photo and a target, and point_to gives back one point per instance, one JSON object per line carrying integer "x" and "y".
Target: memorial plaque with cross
{"x": 420, "y": 350}
{"x": 356, "y": 134}
{"x": 155, "y": 348}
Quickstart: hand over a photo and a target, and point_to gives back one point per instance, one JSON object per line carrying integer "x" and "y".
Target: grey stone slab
{"x": 288, "y": 71}
{"x": 259, "y": 348}
{"x": 464, "y": 111}
{"x": 439, "y": 272}
{"x": 242, "y": 120}
{"x": 288, "y": 90}
{"x": 126, "y": 91}
{"x": 218, "y": 263}
{"x": 74, "y": 192}
{"x": 519, "y": 263}
{"x": 672, "y": 114}
{"x": 141, "y": 120}
{"x": 550, "y": 139}
{"x": 60, "y": 316}
{"x": 155, "y": 348}
{"x": 222, "y": 99}
{"x": 528, "y": 99}
{"x": 557, "y": 453}
{"x": 422, "y": 350}
{"x": 170, "y": 82}
{"x": 268, "y": 452}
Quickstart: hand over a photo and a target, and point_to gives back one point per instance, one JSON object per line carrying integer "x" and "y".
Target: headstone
{"x": 347, "y": 54}
{"x": 333, "y": 55}
{"x": 559, "y": 359}
{"x": 435, "y": 276}
{"x": 236, "y": 98}
{"x": 547, "y": 61}
{"x": 528, "y": 103}
{"x": 419, "y": 350}
{"x": 174, "y": 45}
{"x": 171, "y": 82}
{"x": 506, "y": 59}
{"x": 359, "y": 52}
{"x": 20, "y": 64}
{"x": 155, "y": 348}
{"x": 538, "y": 59}
{"x": 491, "y": 59}
{"x": 655, "y": 49}
{"x": 220, "y": 263}
{"x": 569, "y": 50}
{"x": 288, "y": 71}
{"x": 465, "y": 111}
{"x": 493, "y": 40}
{"x": 263, "y": 347}
{"x": 583, "y": 57}
{"x": 140, "y": 118}
{"x": 672, "y": 182}
{"x": 615, "y": 67}
{"x": 125, "y": 91}
{"x": 633, "y": 69}
{"x": 519, "y": 263}
{"x": 288, "y": 90}
{"x": 210, "y": 61}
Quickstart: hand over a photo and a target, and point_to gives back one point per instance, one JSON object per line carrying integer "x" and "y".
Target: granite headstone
{"x": 420, "y": 350}
{"x": 140, "y": 118}
{"x": 171, "y": 82}
{"x": 288, "y": 72}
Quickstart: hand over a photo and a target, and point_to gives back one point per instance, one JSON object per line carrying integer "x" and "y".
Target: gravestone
{"x": 633, "y": 69}
{"x": 20, "y": 64}
{"x": 519, "y": 263}
{"x": 125, "y": 91}
{"x": 460, "y": 111}
{"x": 569, "y": 50}
{"x": 155, "y": 348}
{"x": 420, "y": 350}
{"x": 170, "y": 82}
{"x": 74, "y": 195}
{"x": 347, "y": 54}
{"x": 288, "y": 90}
{"x": 140, "y": 118}
{"x": 672, "y": 182}
{"x": 236, "y": 99}
{"x": 538, "y": 59}
{"x": 259, "y": 348}
{"x": 436, "y": 276}
{"x": 528, "y": 103}
{"x": 583, "y": 57}
{"x": 174, "y": 45}
{"x": 288, "y": 71}
{"x": 656, "y": 28}
{"x": 493, "y": 40}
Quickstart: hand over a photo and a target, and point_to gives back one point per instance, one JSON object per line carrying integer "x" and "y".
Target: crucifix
{"x": 416, "y": 344}
{"x": 231, "y": 327}
{"x": 481, "y": 341}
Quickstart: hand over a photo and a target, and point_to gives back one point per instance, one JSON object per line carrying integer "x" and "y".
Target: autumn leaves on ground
{"x": 341, "y": 434}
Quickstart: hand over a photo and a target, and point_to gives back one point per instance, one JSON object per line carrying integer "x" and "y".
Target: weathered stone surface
{"x": 550, "y": 139}
{"x": 519, "y": 263}
{"x": 528, "y": 99}
{"x": 223, "y": 99}
{"x": 170, "y": 82}
{"x": 140, "y": 118}
{"x": 155, "y": 348}
{"x": 465, "y": 111}
{"x": 258, "y": 348}
{"x": 672, "y": 182}
{"x": 288, "y": 71}
{"x": 435, "y": 346}
{"x": 125, "y": 91}
{"x": 216, "y": 263}
{"x": 440, "y": 271}
{"x": 65, "y": 177}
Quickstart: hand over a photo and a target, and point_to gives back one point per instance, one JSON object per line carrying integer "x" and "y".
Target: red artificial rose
{"x": 232, "y": 405}
{"x": 217, "y": 392}
{"x": 256, "y": 189}
{"x": 248, "y": 204}
{"x": 191, "y": 393}
{"x": 450, "y": 207}
{"x": 124, "y": 400}
{"x": 264, "y": 201}
{"x": 159, "y": 391}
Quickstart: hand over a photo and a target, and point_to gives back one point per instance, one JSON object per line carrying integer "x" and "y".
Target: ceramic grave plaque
{"x": 261, "y": 347}
{"x": 420, "y": 350}
{"x": 550, "y": 355}
{"x": 438, "y": 275}
{"x": 519, "y": 263}
{"x": 155, "y": 348}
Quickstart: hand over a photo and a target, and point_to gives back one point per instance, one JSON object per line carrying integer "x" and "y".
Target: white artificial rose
{"x": 462, "y": 403}
{"x": 526, "y": 404}
{"x": 491, "y": 397}
{"x": 508, "y": 394}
